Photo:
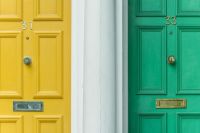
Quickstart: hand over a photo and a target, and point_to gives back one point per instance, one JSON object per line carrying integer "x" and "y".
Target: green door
{"x": 164, "y": 93}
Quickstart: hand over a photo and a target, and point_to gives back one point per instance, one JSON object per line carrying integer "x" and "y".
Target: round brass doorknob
{"x": 171, "y": 60}
{"x": 27, "y": 60}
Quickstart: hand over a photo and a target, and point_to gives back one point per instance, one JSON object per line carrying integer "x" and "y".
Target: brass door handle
{"x": 171, "y": 59}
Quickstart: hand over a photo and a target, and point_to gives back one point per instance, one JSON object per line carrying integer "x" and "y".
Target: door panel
{"x": 48, "y": 124}
{"x": 49, "y": 58}
{"x": 154, "y": 122}
{"x": 188, "y": 51}
{"x": 188, "y": 121}
{"x": 11, "y": 66}
{"x": 11, "y": 124}
{"x": 53, "y": 10}
{"x": 11, "y": 9}
{"x": 152, "y": 64}
{"x": 151, "y": 7}
{"x": 188, "y": 7}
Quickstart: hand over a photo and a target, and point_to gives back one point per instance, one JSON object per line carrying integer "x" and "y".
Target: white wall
{"x": 99, "y": 52}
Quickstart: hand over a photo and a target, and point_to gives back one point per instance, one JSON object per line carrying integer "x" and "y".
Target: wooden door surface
{"x": 164, "y": 62}
{"x": 35, "y": 66}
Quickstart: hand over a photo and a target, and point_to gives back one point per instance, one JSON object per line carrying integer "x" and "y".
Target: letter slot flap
{"x": 28, "y": 106}
{"x": 171, "y": 103}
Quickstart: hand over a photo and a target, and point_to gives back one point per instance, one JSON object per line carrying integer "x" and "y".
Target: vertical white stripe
{"x": 108, "y": 67}
{"x": 119, "y": 66}
{"x": 92, "y": 67}
{"x": 78, "y": 8}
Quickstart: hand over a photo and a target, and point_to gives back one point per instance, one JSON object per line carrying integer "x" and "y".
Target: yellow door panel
{"x": 11, "y": 124}
{"x": 51, "y": 10}
{"x": 48, "y": 124}
{"x": 49, "y": 60}
{"x": 35, "y": 65}
{"x": 10, "y": 64}
{"x": 10, "y": 9}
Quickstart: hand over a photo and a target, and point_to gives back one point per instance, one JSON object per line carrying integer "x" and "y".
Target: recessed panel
{"x": 11, "y": 124}
{"x": 48, "y": 53}
{"x": 151, "y": 7}
{"x": 189, "y": 63}
{"x": 152, "y": 64}
{"x": 154, "y": 122}
{"x": 188, "y": 122}
{"x": 48, "y": 124}
{"x": 10, "y": 9}
{"x": 188, "y": 7}
{"x": 10, "y": 64}
{"x": 51, "y": 10}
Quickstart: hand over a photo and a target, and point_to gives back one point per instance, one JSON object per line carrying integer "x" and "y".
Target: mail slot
{"x": 28, "y": 106}
{"x": 171, "y": 103}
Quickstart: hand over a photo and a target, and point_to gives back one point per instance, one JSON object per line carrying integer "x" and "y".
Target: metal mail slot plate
{"x": 28, "y": 106}
{"x": 171, "y": 103}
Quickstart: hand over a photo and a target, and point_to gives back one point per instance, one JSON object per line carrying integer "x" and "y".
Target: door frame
{"x": 77, "y": 65}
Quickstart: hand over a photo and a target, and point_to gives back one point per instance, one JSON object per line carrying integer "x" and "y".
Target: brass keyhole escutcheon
{"x": 27, "y": 38}
{"x": 171, "y": 60}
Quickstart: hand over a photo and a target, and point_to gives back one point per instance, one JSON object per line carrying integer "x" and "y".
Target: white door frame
{"x": 78, "y": 15}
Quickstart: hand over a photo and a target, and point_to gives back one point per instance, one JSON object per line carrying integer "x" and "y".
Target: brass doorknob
{"x": 171, "y": 60}
{"x": 27, "y": 60}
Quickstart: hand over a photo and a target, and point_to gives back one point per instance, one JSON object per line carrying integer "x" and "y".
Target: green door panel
{"x": 188, "y": 7}
{"x": 189, "y": 60}
{"x": 151, "y": 60}
{"x": 151, "y": 42}
{"x": 152, "y": 122}
{"x": 188, "y": 123}
{"x": 151, "y": 7}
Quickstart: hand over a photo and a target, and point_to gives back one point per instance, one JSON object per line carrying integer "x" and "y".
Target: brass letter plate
{"x": 171, "y": 103}
{"x": 27, "y": 106}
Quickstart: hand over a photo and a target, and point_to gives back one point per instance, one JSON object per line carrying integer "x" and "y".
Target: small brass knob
{"x": 27, "y": 60}
{"x": 171, "y": 60}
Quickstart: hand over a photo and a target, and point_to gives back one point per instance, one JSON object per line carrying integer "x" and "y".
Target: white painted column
{"x": 77, "y": 45}
{"x": 99, "y": 88}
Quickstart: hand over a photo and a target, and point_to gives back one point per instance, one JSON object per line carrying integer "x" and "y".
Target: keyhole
{"x": 27, "y": 38}
{"x": 171, "y": 33}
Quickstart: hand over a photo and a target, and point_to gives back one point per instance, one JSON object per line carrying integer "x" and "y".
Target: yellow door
{"x": 35, "y": 66}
